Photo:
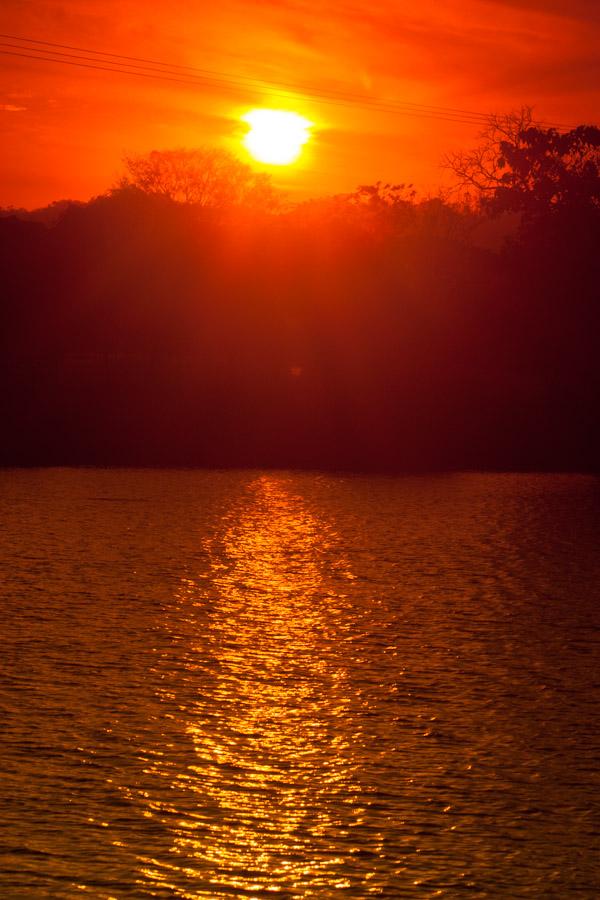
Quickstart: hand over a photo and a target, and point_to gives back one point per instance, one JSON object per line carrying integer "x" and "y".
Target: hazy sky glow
{"x": 64, "y": 129}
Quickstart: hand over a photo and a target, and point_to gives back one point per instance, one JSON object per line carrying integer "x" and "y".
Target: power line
{"x": 211, "y": 73}
{"x": 194, "y": 76}
{"x": 230, "y": 82}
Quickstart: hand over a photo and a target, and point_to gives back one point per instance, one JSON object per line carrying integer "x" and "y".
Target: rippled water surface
{"x": 251, "y": 684}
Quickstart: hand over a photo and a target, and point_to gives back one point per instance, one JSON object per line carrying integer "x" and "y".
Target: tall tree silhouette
{"x": 207, "y": 177}
{"x": 548, "y": 170}
{"x": 524, "y": 168}
{"x": 479, "y": 171}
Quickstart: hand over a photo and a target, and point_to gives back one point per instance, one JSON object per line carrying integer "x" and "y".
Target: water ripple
{"x": 251, "y": 684}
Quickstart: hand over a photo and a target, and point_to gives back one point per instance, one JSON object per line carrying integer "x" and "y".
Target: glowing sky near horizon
{"x": 65, "y": 130}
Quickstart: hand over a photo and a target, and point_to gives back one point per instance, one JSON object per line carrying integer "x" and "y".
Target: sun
{"x": 276, "y": 137}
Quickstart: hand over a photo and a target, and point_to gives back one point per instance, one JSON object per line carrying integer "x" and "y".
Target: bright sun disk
{"x": 276, "y": 137}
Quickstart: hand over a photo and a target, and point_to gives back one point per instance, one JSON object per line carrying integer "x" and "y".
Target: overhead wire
{"x": 232, "y": 83}
{"x": 208, "y": 73}
{"x": 192, "y": 76}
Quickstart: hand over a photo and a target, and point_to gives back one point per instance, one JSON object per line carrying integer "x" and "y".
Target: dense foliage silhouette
{"x": 370, "y": 331}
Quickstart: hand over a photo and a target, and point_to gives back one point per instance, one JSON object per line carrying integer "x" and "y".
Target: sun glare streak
{"x": 276, "y": 137}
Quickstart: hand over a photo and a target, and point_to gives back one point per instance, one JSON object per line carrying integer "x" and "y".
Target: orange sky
{"x": 64, "y": 130}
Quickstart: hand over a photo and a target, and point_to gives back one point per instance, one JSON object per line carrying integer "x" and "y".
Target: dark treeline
{"x": 187, "y": 317}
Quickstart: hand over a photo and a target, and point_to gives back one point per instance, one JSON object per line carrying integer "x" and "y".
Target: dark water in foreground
{"x": 243, "y": 685}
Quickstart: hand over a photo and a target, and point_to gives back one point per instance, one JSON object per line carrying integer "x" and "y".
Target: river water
{"x": 256, "y": 684}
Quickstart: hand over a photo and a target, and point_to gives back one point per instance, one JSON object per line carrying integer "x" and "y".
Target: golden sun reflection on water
{"x": 218, "y": 684}
{"x": 274, "y": 775}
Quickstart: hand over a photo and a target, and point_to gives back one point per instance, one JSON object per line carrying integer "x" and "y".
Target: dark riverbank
{"x": 373, "y": 336}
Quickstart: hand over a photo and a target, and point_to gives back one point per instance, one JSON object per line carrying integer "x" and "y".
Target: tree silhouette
{"x": 207, "y": 177}
{"x": 164, "y": 323}
{"x": 523, "y": 168}
{"x": 548, "y": 170}
{"x": 478, "y": 172}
